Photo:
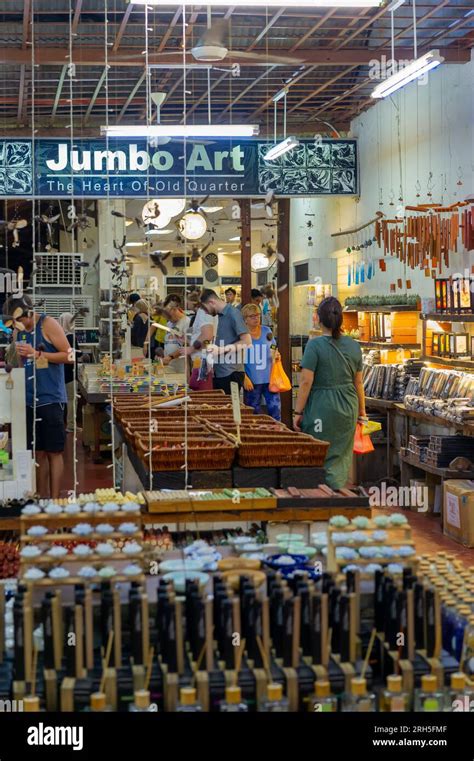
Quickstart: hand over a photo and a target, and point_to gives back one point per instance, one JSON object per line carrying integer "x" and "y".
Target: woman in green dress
{"x": 331, "y": 396}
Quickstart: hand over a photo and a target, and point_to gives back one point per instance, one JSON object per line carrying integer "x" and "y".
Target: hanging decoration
{"x": 426, "y": 237}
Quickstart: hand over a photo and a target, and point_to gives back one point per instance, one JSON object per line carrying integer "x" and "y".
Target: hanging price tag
{"x": 234, "y": 390}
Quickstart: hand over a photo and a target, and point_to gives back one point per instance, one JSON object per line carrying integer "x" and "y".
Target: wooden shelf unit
{"x": 404, "y": 326}
{"x": 446, "y": 322}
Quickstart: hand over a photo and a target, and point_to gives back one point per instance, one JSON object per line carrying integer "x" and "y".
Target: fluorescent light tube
{"x": 281, "y": 148}
{"x": 414, "y": 70}
{"x": 155, "y": 231}
{"x": 394, "y": 5}
{"x": 181, "y": 130}
{"x": 273, "y": 3}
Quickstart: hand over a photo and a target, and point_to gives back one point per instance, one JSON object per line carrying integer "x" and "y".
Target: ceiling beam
{"x": 131, "y": 96}
{"x": 122, "y": 27}
{"x": 402, "y": 53}
{"x": 94, "y": 56}
{"x": 313, "y": 29}
{"x": 95, "y": 95}
{"x": 246, "y": 90}
{"x": 76, "y": 18}
{"x": 24, "y": 44}
{"x": 266, "y": 28}
{"x": 59, "y": 90}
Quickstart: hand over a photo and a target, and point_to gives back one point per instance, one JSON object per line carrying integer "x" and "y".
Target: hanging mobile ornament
{"x": 460, "y": 176}
{"x": 418, "y": 189}
{"x": 392, "y": 198}
{"x": 430, "y": 185}
{"x": 380, "y": 197}
{"x": 349, "y": 278}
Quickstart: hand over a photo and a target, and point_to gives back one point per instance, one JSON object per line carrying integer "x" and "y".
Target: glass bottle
{"x": 31, "y": 703}
{"x": 394, "y": 699}
{"x": 141, "y": 702}
{"x": 233, "y": 702}
{"x": 358, "y": 698}
{"x": 460, "y": 623}
{"x": 188, "y": 702}
{"x": 323, "y": 701}
{"x": 429, "y": 697}
{"x": 469, "y": 647}
{"x": 274, "y": 702}
{"x": 459, "y": 697}
{"x": 98, "y": 703}
{"x": 448, "y": 617}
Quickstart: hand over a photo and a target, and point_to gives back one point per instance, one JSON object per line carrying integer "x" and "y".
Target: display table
{"x": 91, "y": 388}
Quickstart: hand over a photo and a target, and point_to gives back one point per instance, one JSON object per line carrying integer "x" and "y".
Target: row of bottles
{"x": 428, "y": 698}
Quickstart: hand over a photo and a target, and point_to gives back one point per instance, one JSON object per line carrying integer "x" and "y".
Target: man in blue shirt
{"x": 232, "y": 340}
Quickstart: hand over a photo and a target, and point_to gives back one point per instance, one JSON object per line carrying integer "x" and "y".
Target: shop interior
{"x": 257, "y": 546}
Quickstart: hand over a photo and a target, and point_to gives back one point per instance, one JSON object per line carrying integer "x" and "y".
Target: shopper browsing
{"x": 202, "y": 335}
{"x": 231, "y": 296}
{"x": 44, "y": 349}
{"x": 232, "y": 339}
{"x": 175, "y": 337}
{"x": 331, "y": 396}
{"x": 140, "y": 327}
{"x": 258, "y": 364}
{"x": 66, "y": 320}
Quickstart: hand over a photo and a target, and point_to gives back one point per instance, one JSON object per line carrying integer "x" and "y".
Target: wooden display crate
{"x": 186, "y": 505}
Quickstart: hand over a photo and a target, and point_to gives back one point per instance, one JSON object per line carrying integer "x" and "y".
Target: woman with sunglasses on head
{"x": 331, "y": 396}
{"x": 258, "y": 365}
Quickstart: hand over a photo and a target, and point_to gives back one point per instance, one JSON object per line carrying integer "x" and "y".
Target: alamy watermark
{"x": 11, "y": 284}
{"x": 384, "y": 68}
{"x": 413, "y": 497}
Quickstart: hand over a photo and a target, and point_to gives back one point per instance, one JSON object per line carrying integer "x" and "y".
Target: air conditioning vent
{"x": 56, "y": 305}
{"x": 59, "y": 270}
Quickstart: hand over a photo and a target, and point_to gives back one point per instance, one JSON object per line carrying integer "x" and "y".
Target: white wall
{"x": 434, "y": 124}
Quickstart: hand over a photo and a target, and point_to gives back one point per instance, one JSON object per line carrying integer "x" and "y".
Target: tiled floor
{"x": 427, "y": 532}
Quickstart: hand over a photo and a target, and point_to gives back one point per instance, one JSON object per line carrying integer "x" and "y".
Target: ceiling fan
{"x": 213, "y": 46}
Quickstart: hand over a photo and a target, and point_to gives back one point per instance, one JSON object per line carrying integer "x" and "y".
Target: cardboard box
{"x": 458, "y": 511}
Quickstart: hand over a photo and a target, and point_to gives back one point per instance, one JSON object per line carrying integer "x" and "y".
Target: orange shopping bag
{"x": 279, "y": 380}
{"x": 362, "y": 441}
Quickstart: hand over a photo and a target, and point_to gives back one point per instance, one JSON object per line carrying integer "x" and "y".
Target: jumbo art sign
{"x": 134, "y": 169}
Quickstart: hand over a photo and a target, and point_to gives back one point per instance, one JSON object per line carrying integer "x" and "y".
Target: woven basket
{"x": 282, "y": 451}
{"x": 211, "y": 454}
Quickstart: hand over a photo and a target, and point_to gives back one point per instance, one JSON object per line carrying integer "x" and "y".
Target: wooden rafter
{"x": 122, "y": 27}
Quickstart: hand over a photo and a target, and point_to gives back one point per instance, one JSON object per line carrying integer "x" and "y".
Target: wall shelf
{"x": 386, "y": 309}
{"x": 448, "y": 362}
{"x": 439, "y": 317}
{"x": 388, "y": 345}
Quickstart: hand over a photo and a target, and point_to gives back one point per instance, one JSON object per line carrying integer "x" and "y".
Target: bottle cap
{"x": 322, "y": 688}
{"x": 31, "y": 703}
{"x": 98, "y": 701}
{"x": 458, "y": 680}
{"x": 274, "y": 691}
{"x": 187, "y": 695}
{"x": 429, "y": 682}
{"x": 233, "y": 694}
{"x": 358, "y": 685}
{"x": 142, "y": 698}
{"x": 394, "y": 683}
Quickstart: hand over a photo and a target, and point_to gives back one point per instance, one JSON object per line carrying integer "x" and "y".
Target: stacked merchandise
{"x": 417, "y": 446}
{"x": 390, "y": 381}
{"x": 311, "y": 636}
{"x": 442, "y": 450}
{"x": 443, "y": 393}
{"x": 372, "y": 357}
{"x": 454, "y": 295}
